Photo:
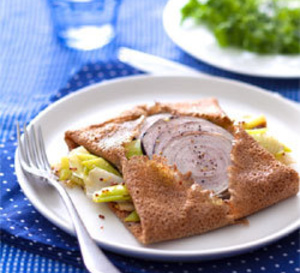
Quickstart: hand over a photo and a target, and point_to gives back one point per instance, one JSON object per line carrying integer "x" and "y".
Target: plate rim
{"x": 223, "y": 67}
{"x": 148, "y": 253}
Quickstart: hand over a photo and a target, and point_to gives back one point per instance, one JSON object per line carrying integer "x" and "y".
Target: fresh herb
{"x": 262, "y": 26}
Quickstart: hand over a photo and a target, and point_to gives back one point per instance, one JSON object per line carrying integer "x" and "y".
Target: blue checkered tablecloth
{"x": 36, "y": 71}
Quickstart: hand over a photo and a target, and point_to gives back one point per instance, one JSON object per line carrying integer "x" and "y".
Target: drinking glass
{"x": 85, "y": 24}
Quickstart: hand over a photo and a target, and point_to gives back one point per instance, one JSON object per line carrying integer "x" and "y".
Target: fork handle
{"x": 93, "y": 258}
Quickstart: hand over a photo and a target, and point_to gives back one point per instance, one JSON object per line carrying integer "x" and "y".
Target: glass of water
{"x": 85, "y": 24}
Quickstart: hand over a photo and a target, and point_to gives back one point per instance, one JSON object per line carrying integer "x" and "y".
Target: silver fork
{"x": 33, "y": 160}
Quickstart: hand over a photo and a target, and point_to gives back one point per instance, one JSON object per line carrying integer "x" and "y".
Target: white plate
{"x": 100, "y": 102}
{"x": 199, "y": 42}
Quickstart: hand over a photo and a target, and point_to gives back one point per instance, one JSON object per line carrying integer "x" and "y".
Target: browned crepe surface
{"x": 168, "y": 204}
{"x": 256, "y": 179}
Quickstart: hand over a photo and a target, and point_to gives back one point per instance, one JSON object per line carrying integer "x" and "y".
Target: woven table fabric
{"x": 35, "y": 72}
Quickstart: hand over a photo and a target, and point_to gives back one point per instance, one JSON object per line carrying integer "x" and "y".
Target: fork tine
{"x": 42, "y": 149}
{"x": 28, "y": 148}
{"x": 22, "y": 154}
{"x": 35, "y": 148}
{"x": 26, "y": 152}
{"x": 32, "y": 143}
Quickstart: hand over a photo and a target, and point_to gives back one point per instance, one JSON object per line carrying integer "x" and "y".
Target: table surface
{"x": 34, "y": 66}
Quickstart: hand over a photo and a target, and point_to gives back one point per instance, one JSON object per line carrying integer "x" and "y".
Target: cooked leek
{"x": 98, "y": 179}
{"x": 64, "y": 172}
{"x": 271, "y": 144}
{"x": 251, "y": 122}
{"x": 100, "y": 163}
{"x": 132, "y": 217}
{"x": 133, "y": 148}
{"x": 112, "y": 194}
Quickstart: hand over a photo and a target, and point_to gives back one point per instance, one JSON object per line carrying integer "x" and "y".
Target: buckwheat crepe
{"x": 169, "y": 203}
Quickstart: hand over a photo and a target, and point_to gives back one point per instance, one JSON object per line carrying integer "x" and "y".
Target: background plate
{"x": 199, "y": 42}
{"x": 102, "y": 101}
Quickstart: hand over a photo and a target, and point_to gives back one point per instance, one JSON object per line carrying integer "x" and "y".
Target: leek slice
{"x": 133, "y": 148}
{"x": 64, "y": 172}
{"x": 112, "y": 194}
{"x": 251, "y": 122}
{"x": 132, "y": 217}
{"x": 271, "y": 144}
{"x": 98, "y": 179}
{"x": 100, "y": 163}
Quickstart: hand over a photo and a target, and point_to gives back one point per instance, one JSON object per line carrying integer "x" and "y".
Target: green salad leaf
{"x": 261, "y": 26}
